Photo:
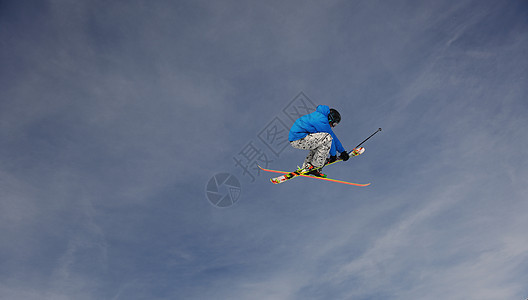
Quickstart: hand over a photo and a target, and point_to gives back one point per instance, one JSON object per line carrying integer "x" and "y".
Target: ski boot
{"x": 305, "y": 169}
{"x": 316, "y": 172}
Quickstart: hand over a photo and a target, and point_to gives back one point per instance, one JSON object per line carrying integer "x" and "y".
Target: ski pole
{"x": 327, "y": 163}
{"x": 379, "y": 129}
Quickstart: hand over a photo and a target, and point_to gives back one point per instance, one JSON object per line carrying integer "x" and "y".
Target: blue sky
{"x": 114, "y": 116}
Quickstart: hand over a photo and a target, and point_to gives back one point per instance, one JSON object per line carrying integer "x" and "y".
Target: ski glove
{"x": 344, "y": 156}
{"x": 332, "y": 159}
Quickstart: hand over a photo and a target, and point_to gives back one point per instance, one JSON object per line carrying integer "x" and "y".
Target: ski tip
{"x": 360, "y": 184}
{"x": 358, "y": 151}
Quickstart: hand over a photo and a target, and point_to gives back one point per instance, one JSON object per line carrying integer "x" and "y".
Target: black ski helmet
{"x": 334, "y": 117}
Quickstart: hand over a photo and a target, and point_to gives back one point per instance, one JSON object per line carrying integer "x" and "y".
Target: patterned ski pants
{"x": 319, "y": 145}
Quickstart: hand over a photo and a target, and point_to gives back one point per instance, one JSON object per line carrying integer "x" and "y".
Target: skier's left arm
{"x": 338, "y": 145}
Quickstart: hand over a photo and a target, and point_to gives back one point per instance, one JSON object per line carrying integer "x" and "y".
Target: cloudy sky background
{"x": 114, "y": 116}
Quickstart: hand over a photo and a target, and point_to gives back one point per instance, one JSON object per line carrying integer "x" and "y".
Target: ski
{"x": 290, "y": 175}
{"x": 355, "y": 152}
{"x": 297, "y": 173}
{"x": 282, "y": 178}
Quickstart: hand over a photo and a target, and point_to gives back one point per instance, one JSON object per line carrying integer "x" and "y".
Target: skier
{"x": 314, "y": 132}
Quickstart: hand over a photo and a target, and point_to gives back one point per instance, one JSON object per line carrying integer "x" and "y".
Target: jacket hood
{"x": 325, "y": 110}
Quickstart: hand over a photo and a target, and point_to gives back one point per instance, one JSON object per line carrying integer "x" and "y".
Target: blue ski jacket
{"x": 315, "y": 122}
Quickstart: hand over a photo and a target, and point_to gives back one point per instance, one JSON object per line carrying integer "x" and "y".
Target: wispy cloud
{"x": 113, "y": 117}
